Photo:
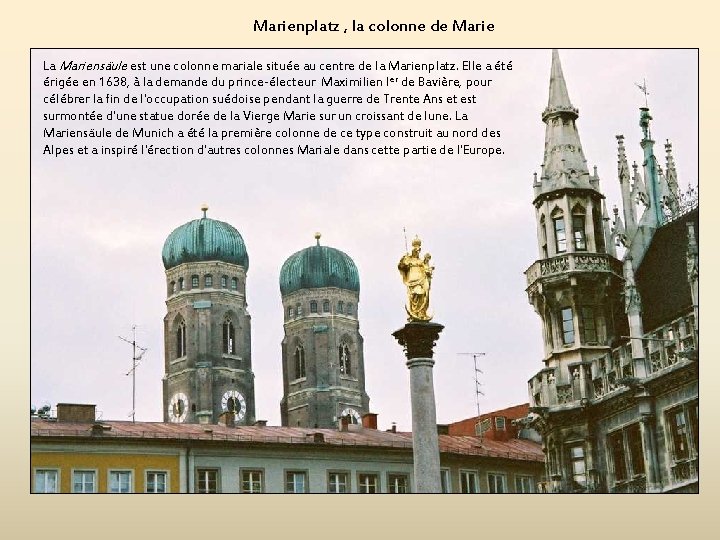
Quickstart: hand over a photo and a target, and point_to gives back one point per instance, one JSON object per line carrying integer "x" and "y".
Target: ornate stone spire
{"x": 564, "y": 164}
{"x": 625, "y": 189}
{"x": 653, "y": 217}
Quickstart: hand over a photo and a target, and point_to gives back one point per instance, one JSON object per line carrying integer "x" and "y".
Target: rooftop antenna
{"x": 478, "y": 384}
{"x": 136, "y": 357}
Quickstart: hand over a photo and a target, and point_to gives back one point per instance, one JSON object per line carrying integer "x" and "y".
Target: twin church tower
{"x": 208, "y": 358}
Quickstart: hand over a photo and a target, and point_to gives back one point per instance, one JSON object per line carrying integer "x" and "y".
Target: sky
{"x": 98, "y": 226}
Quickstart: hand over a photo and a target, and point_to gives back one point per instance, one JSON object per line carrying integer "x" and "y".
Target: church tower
{"x": 322, "y": 350}
{"x": 576, "y": 284}
{"x": 208, "y": 368}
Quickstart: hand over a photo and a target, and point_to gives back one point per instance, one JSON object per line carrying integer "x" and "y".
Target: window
{"x": 524, "y": 484}
{"x": 223, "y": 282}
{"x": 367, "y": 483}
{"x": 299, "y": 362}
{"x": 291, "y": 312}
{"x": 577, "y": 464}
{"x": 228, "y": 337}
{"x": 326, "y": 306}
{"x": 599, "y": 231}
{"x": 682, "y": 423}
{"x": 616, "y": 446}
{"x": 560, "y": 238}
{"x": 46, "y": 481}
{"x": 543, "y": 238}
{"x": 340, "y": 307}
{"x": 298, "y": 309}
{"x": 181, "y": 284}
{"x": 568, "y": 328}
{"x": 195, "y": 282}
{"x": 445, "y": 481}
{"x": 234, "y": 284}
{"x": 207, "y": 481}
{"x": 497, "y": 483}
{"x": 120, "y": 481}
{"x": 588, "y": 324}
{"x": 313, "y": 307}
{"x": 349, "y": 309}
{"x": 337, "y": 482}
{"x": 500, "y": 423}
{"x": 156, "y": 482}
{"x": 397, "y": 483}
{"x": 468, "y": 482}
{"x": 208, "y": 280}
{"x": 295, "y": 482}
{"x": 180, "y": 340}
{"x": 626, "y": 451}
{"x": 578, "y": 221}
{"x": 251, "y": 481}
{"x": 171, "y": 287}
{"x": 83, "y": 482}
{"x": 344, "y": 359}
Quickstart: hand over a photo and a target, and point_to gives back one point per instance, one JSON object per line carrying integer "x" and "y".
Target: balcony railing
{"x": 636, "y": 485}
{"x": 684, "y": 471}
{"x": 573, "y": 262}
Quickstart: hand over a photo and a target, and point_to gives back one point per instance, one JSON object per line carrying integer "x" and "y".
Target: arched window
{"x": 223, "y": 282}
{"x": 195, "y": 282}
{"x": 349, "y": 309}
{"x": 180, "y": 340}
{"x": 313, "y": 307}
{"x": 299, "y": 362}
{"x": 171, "y": 288}
{"x": 298, "y": 309}
{"x": 181, "y": 284}
{"x": 208, "y": 280}
{"x": 291, "y": 312}
{"x": 599, "y": 231}
{"x": 341, "y": 307}
{"x": 326, "y": 306}
{"x": 578, "y": 223}
{"x": 344, "y": 359}
{"x": 228, "y": 337}
{"x": 234, "y": 284}
{"x": 543, "y": 238}
{"x": 560, "y": 236}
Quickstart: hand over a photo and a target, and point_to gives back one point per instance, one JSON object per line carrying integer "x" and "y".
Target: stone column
{"x": 418, "y": 340}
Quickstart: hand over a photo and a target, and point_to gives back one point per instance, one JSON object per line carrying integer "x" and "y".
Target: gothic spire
{"x": 564, "y": 164}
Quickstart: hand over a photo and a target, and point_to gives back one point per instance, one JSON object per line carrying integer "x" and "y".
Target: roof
{"x": 467, "y": 426}
{"x": 662, "y": 279}
{"x": 357, "y": 436}
{"x": 204, "y": 239}
{"x": 317, "y": 267}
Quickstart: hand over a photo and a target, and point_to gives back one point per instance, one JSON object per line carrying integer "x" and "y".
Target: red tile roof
{"x": 356, "y": 436}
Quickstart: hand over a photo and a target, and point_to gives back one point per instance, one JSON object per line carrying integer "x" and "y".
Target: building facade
{"x": 322, "y": 350}
{"x": 616, "y": 402}
{"x": 208, "y": 363}
{"x": 82, "y": 455}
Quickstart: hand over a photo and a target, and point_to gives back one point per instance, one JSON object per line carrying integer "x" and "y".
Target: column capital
{"x": 418, "y": 339}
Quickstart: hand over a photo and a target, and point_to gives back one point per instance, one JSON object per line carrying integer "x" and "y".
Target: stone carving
{"x": 417, "y": 274}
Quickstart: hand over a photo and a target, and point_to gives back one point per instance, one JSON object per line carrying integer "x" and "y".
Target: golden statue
{"x": 417, "y": 274}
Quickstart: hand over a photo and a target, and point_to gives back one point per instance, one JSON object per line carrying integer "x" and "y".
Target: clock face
{"x": 233, "y": 401}
{"x": 354, "y": 415}
{"x": 178, "y": 408}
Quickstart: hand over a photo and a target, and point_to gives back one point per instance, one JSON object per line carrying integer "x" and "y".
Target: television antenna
{"x": 136, "y": 357}
{"x": 478, "y": 384}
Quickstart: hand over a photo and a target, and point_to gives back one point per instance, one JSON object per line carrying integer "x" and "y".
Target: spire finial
{"x": 317, "y": 238}
{"x": 644, "y": 90}
{"x": 204, "y": 209}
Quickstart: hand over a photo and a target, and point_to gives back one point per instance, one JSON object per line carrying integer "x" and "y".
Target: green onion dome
{"x": 316, "y": 267}
{"x": 204, "y": 239}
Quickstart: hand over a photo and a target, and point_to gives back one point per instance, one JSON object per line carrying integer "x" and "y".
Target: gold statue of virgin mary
{"x": 417, "y": 274}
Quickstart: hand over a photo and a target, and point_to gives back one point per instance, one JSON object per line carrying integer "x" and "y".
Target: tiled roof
{"x": 357, "y": 436}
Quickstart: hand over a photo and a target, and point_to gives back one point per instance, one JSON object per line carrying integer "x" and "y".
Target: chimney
{"x": 227, "y": 419}
{"x": 344, "y": 422}
{"x": 443, "y": 429}
{"x": 75, "y": 412}
{"x": 393, "y": 427}
{"x": 369, "y": 420}
{"x": 260, "y": 423}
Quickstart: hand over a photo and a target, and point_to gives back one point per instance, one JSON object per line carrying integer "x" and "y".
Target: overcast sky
{"x": 98, "y": 227}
